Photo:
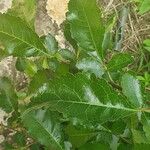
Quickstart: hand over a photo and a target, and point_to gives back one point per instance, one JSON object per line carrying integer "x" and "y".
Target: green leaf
{"x": 95, "y": 146}
{"x": 145, "y": 7}
{"x": 117, "y": 127}
{"x": 45, "y": 127}
{"x": 139, "y": 137}
{"x": 27, "y": 66}
{"x": 24, "y": 9}
{"x": 91, "y": 65}
{"x": 146, "y": 125}
{"x": 38, "y": 80}
{"x": 36, "y": 146}
{"x": 51, "y": 44}
{"x": 67, "y": 54}
{"x": 131, "y": 89}
{"x": 125, "y": 146}
{"x": 86, "y": 27}
{"x": 78, "y": 137}
{"x": 68, "y": 36}
{"x": 8, "y": 97}
{"x": 19, "y": 138}
{"x": 141, "y": 147}
{"x": 119, "y": 61}
{"x": 90, "y": 101}
{"x": 18, "y": 38}
{"x": 147, "y": 44}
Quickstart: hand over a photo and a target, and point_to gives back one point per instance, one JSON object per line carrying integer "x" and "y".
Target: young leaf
{"x": 8, "y": 97}
{"x": 87, "y": 100}
{"x": 86, "y": 27}
{"x": 18, "y": 38}
{"x": 119, "y": 61}
{"x": 131, "y": 89}
{"x": 45, "y": 127}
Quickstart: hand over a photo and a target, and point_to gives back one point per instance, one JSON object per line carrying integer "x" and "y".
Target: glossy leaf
{"x": 86, "y": 27}
{"x": 51, "y": 44}
{"x": 119, "y": 61}
{"x": 18, "y": 38}
{"x": 91, "y": 65}
{"x": 131, "y": 89}
{"x": 44, "y": 126}
{"x": 87, "y": 100}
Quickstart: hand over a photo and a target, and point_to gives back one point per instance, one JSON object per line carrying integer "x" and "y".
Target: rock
{"x": 43, "y": 22}
{"x": 5, "y": 5}
{"x": 57, "y": 9}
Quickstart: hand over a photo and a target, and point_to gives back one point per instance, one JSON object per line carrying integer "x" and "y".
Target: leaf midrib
{"x": 48, "y": 133}
{"x": 48, "y": 104}
{"x": 92, "y": 36}
{"x": 23, "y": 41}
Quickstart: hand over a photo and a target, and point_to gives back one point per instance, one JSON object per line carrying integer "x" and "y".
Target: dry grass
{"x": 137, "y": 27}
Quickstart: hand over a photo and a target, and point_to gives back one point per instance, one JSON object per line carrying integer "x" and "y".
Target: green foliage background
{"x": 79, "y": 99}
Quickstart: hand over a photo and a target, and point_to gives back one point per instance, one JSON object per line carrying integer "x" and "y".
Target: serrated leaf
{"x": 91, "y": 101}
{"x": 86, "y": 27}
{"x": 132, "y": 90}
{"x": 18, "y": 38}
{"x": 8, "y": 97}
{"x": 45, "y": 127}
{"x": 119, "y": 61}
